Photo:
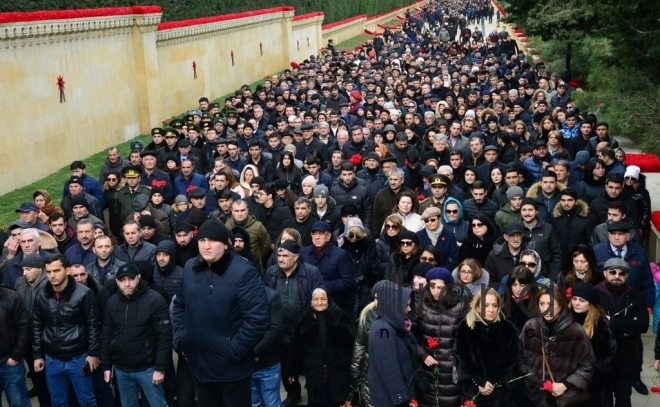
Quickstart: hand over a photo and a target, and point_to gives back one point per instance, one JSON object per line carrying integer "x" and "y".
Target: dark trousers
{"x": 229, "y": 394}
{"x": 39, "y": 381}
{"x": 185, "y": 388}
{"x": 292, "y": 389}
{"x": 623, "y": 390}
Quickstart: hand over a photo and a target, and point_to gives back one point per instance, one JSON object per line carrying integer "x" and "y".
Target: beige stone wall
{"x": 96, "y": 57}
{"x": 306, "y": 37}
{"x": 343, "y": 32}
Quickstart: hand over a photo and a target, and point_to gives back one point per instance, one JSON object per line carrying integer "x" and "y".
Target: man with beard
{"x": 625, "y": 309}
{"x": 242, "y": 245}
{"x": 349, "y": 191}
{"x": 167, "y": 274}
{"x": 62, "y": 232}
{"x": 186, "y": 244}
{"x": 104, "y": 269}
{"x": 373, "y": 175}
{"x": 259, "y": 238}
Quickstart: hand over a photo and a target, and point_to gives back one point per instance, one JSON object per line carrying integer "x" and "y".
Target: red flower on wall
{"x": 60, "y": 86}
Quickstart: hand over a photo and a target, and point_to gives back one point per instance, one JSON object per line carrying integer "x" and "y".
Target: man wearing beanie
{"x": 295, "y": 281}
{"x": 218, "y": 331}
{"x": 510, "y": 210}
{"x": 149, "y": 232}
{"x": 141, "y": 205}
{"x": 579, "y": 165}
{"x": 80, "y": 210}
{"x": 325, "y": 208}
{"x": 625, "y": 308}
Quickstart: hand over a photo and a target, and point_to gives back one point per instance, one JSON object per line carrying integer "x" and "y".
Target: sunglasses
{"x": 427, "y": 259}
{"x": 407, "y": 243}
{"x": 391, "y": 227}
{"x": 620, "y": 273}
{"x": 352, "y": 236}
{"x": 528, "y": 265}
{"x": 430, "y": 220}
{"x": 477, "y": 225}
{"x": 111, "y": 179}
{"x": 629, "y": 178}
{"x": 451, "y": 211}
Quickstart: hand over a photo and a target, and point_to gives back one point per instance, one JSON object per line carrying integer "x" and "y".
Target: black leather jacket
{"x": 68, "y": 327}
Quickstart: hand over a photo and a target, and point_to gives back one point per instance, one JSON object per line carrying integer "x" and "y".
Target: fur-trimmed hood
{"x": 120, "y": 185}
{"x": 533, "y": 191}
{"x": 583, "y": 209}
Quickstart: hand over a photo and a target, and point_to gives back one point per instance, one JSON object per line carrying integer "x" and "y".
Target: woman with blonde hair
{"x": 538, "y": 95}
{"x": 588, "y": 313}
{"x": 247, "y": 175}
{"x": 487, "y": 352}
{"x": 555, "y": 146}
{"x": 389, "y": 239}
{"x": 520, "y": 128}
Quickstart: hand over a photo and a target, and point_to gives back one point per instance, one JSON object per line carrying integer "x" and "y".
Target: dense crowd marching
{"x": 428, "y": 220}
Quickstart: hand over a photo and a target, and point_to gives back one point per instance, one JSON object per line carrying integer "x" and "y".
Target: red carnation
{"x": 655, "y": 389}
{"x": 158, "y": 184}
{"x": 356, "y": 159}
{"x": 413, "y": 403}
{"x": 421, "y": 197}
{"x": 469, "y": 403}
{"x": 547, "y": 386}
{"x": 190, "y": 189}
{"x": 294, "y": 64}
{"x": 432, "y": 342}
{"x": 569, "y": 292}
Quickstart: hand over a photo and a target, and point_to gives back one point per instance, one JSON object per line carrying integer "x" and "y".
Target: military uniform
{"x": 124, "y": 197}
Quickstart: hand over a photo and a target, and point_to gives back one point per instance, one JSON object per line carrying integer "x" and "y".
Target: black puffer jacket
{"x": 137, "y": 333}
{"x": 472, "y": 209}
{"x": 16, "y": 326}
{"x": 439, "y": 320}
{"x": 276, "y": 215}
{"x": 354, "y": 194}
{"x": 385, "y": 246}
{"x": 171, "y": 276}
{"x": 71, "y": 331}
{"x": 364, "y": 258}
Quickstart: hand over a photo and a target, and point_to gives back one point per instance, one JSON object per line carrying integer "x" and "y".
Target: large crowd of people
{"x": 427, "y": 218}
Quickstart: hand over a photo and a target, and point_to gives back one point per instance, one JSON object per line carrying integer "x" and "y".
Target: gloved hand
{"x": 358, "y": 281}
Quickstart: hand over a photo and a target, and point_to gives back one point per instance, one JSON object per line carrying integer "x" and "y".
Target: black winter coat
{"x": 487, "y": 353}
{"x": 364, "y": 258}
{"x": 575, "y": 226}
{"x": 471, "y": 208}
{"x": 400, "y": 269}
{"x": 16, "y": 326}
{"x": 137, "y": 333}
{"x": 385, "y": 246}
{"x": 500, "y": 261}
{"x": 276, "y": 215}
{"x": 171, "y": 276}
{"x": 634, "y": 321}
{"x": 568, "y": 352}
{"x": 354, "y": 194}
{"x": 599, "y": 207}
{"x": 268, "y": 350}
{"x": 67, "y": 328}
{"x": 440, "y": 321}
{"x": 323, "y": 360}
{"x": 604, "y": 347}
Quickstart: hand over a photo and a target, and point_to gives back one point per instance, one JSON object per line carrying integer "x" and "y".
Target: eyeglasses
{"x": 427, "y": 259}
{"x": 451, "y": 211}
{"x": 528, "y": 265}
{"x": 391, "y": 227}
{"x": 111, "y": 179}
{"x": 467, "y": 272}
{"x": 477, "y": 225}
{"x": 430, "y": 220}
{"x": 615, "y": 272}
{"x": 407, "y": 243}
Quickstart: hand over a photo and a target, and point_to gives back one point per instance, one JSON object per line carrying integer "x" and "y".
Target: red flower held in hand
{"x": 547, "y": 386}
{"x": 421, "y": 197}
{"x": 569, "y": 292}
{"x": 356, "y": 159}
{"x": 432, "y": 342}
{"x": 469, "y": 403}
{"x": 347, "y": 404}
{"x": 413, "y": 403}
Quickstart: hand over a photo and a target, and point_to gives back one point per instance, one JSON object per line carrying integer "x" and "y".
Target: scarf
{"x": 434, "y": 234}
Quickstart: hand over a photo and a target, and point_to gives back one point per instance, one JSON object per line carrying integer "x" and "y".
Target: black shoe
{"x": 291, "y": 401}
{"x": 641, "y": 388}
{"x": 32, "y": 393}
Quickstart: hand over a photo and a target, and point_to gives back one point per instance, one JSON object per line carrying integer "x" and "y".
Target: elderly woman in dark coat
{"x": 392, "y": 348}
{"x": 439, "y": 313}
{"x": 321, "y": 349}
{"x": 482, "y": 233}
{"x": 562, "y": 343}
{"x": 486, "y": 352}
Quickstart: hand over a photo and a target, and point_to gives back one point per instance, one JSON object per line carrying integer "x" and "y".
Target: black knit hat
{"x": 408, "y": 235}
{"x": 422, "y": 268}
{"x": 213, "y": 229}
{"x": 587, "y": 292}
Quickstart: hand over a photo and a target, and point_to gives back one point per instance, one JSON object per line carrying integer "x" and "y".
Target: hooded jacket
{"x": 332, "y": 215}
{"x": 545, "y": 205}
{"x": 391, "y": 372}
{"x": 137, "y": 333}
{"x": 219, "y": 331}
{"x": 575, "y": 226}
{"x": 568, "y": 352}
{"x": 171, "y": 276}
{"x": 476, "y": 248}
{"x": 459, "y": 227}
{"x": 259, "y": 237}
{"x": 507, "y": 215}
{"x": 246, "y": 252}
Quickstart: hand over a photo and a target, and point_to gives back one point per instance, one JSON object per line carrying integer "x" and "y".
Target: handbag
{"x": 422, "y": 381}
{"x": 572, "y": 397}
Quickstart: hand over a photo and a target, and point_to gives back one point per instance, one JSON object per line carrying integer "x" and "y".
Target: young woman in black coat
{"x": 403, "y": 261}
{"x": 481, "y": 235}
{"x": 322, "y": 349}
{"x": 522, "y": 289}
{"x": 364, "y": 258}
{"x": 587, "y": 312}
{"x": 486, "y": 351}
